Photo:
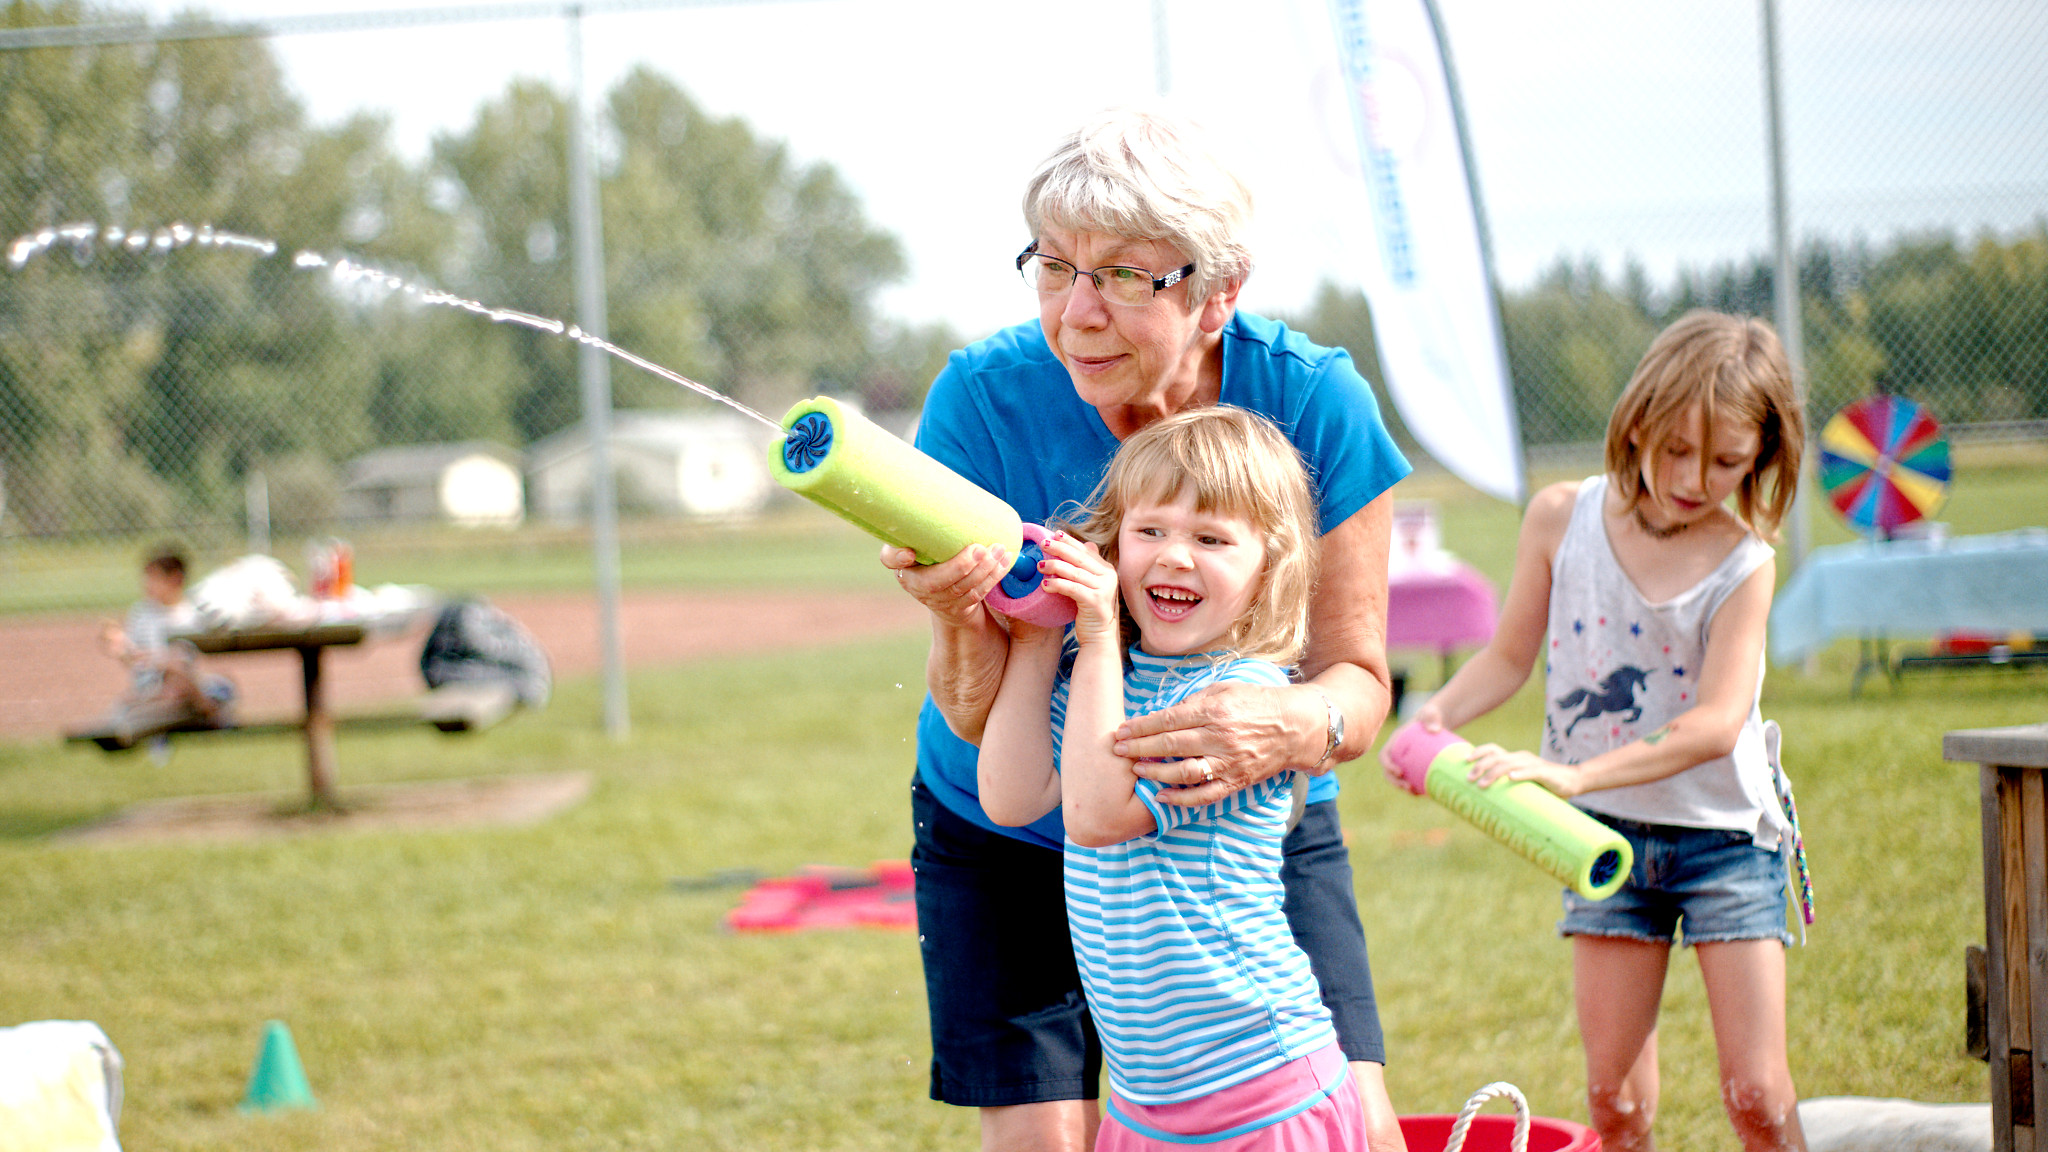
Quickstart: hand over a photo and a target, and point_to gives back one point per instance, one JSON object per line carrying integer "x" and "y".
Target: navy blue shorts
{"x": 1010, "y": 1024}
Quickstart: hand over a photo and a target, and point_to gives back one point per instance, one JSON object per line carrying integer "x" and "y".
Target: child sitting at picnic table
{"x": 165, "y": 687}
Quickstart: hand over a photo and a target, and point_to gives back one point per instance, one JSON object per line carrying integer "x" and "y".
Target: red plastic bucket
{"x": 1497, "y": 1134}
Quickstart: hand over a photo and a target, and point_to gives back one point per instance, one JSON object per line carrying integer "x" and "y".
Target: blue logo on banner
{"x": 1382, "y": 171}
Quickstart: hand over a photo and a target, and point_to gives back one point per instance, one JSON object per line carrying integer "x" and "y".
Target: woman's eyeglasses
{"x": 1130, "y": 287}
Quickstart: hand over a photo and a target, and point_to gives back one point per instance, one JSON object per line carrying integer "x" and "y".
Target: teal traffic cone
{"x": 277, "y": 1081}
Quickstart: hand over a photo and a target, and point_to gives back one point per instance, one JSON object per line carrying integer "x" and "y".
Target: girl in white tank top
{"x": 1645, "y": 595}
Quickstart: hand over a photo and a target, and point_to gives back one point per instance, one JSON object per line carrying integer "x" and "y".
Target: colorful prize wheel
{"x": 1884, "y": 463}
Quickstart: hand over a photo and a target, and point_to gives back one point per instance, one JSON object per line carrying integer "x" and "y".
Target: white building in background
{"x": 678, "y": 463}
{"x": 474, "y": 484}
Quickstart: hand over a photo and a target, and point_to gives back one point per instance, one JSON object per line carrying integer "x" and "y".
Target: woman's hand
{"x": 1491, "y": 762}
{"x": 952, "y": 590}
{"x": 964, "y": 668}
{"x": 1075, "y": 569}
{"x": 1226, "y": 738}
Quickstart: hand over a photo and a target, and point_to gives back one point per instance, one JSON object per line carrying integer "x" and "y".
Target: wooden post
{"x": 2014, "y": 809}
{"x": 319, "y": 734}
{"x": 310, "y": 641}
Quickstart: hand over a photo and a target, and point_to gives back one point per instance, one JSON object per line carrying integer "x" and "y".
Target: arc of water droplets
{"x": 347, "y": 271}
{"x": 83, "y": 237}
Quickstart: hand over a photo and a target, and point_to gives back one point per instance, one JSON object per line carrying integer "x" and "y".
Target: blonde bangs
{"x": 1235, "y": 463}
{"x": 1726, "y": 366}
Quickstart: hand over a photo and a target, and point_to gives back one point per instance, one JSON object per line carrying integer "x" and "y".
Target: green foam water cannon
{"x": 1583, "y": 854}
{"x": 860, "y": 472}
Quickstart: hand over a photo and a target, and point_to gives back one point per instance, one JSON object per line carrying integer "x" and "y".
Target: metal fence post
{"x": 1787, "y": 294}
{"x": 594, "y": 373}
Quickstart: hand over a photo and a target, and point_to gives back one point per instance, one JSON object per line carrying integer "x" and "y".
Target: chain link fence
{"x": 1921, "y": 223}
{"x": 156, "y": 382}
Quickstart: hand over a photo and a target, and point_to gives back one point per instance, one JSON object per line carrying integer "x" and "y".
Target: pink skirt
{"x": 1305, "y": 1105}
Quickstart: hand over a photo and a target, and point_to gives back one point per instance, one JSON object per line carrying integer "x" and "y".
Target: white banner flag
{"x": 1433, "y": 312}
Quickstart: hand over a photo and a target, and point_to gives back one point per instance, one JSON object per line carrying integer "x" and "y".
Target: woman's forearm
{"x": 1361, "y": 697}
{"x": 1347, "y": 652}
{"x": 964, "y": 671}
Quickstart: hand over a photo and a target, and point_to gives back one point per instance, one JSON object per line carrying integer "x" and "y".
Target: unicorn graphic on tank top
{"x": 1616, "y": 694}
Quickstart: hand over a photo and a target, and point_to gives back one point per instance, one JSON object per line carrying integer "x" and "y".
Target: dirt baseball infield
{"x": 53, "y": 675}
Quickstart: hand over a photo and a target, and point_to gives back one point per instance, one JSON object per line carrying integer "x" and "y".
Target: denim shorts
{"x": 1690, "y": 885}
{"x": 1009, "y": 1022}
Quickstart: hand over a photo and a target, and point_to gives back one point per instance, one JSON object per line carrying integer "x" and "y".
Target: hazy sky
{"x": 1601, "y": 128}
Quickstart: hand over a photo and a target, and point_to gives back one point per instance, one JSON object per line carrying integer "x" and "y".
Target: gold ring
{"x": 1208, "y": 773}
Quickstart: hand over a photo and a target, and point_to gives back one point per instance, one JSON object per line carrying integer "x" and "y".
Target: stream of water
{"x": 85, "y": 239}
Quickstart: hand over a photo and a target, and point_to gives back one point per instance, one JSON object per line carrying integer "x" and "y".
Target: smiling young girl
{"x": 1645, "y": 596}
{"x": 1193, "y": 568}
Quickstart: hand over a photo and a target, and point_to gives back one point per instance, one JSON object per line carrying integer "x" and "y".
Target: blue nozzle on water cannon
{"x": 1021, "y": 596}
{"x": 1024, "y": 577}
{"x": 806, "y": 442}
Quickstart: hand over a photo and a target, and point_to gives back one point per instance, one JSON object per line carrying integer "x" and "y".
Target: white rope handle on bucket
{"x": 1471, "y": 1110}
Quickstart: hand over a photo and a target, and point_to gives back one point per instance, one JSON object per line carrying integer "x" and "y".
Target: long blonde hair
{"x": 1238, "y": 464}
{"x": 1725, "y": 366}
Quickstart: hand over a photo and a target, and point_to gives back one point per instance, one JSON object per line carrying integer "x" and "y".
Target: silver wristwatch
{"x": 1336, "y": 731}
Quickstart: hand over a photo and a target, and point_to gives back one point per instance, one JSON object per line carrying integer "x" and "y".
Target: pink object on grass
{"x": 827, "y": 897}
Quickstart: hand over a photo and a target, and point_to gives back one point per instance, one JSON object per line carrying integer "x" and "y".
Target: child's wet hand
{"x": 1491, "y": 762}
{"x": 1485, "y": 766}
{"x": 113, "y": 639}
{"x": 1395, "y": 776}
{"x": 1075, "y": 569}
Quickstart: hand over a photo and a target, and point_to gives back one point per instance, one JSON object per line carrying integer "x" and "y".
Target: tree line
{"x": 1961, "y": 326}
{"x": 139, "y": 388}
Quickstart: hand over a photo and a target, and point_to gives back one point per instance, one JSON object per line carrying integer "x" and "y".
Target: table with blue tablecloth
{"x": 1879, "y": 590}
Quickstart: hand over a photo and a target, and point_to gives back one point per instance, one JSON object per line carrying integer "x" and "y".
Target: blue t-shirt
{"x": 1004, "y": 414}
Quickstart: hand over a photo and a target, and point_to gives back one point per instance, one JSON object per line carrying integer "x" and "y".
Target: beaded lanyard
{"x": 1772, "y": 736}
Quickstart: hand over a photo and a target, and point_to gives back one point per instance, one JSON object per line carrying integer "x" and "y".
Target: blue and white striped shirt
{"x": 1193, "y": 976}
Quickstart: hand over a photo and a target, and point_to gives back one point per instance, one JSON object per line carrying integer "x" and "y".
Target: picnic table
{"x": 313, "y": 627}
{"x": 310, "y": 628}
{"x": 311, "y": 639}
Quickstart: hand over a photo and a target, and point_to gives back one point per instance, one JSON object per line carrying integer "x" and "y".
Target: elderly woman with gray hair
{"x": 1137, "y": 257}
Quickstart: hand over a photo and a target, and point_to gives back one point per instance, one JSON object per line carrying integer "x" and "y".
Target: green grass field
{"x": 546, "y": 987}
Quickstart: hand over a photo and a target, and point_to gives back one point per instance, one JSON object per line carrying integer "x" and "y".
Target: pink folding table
{"x": 1441, "y": 607}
